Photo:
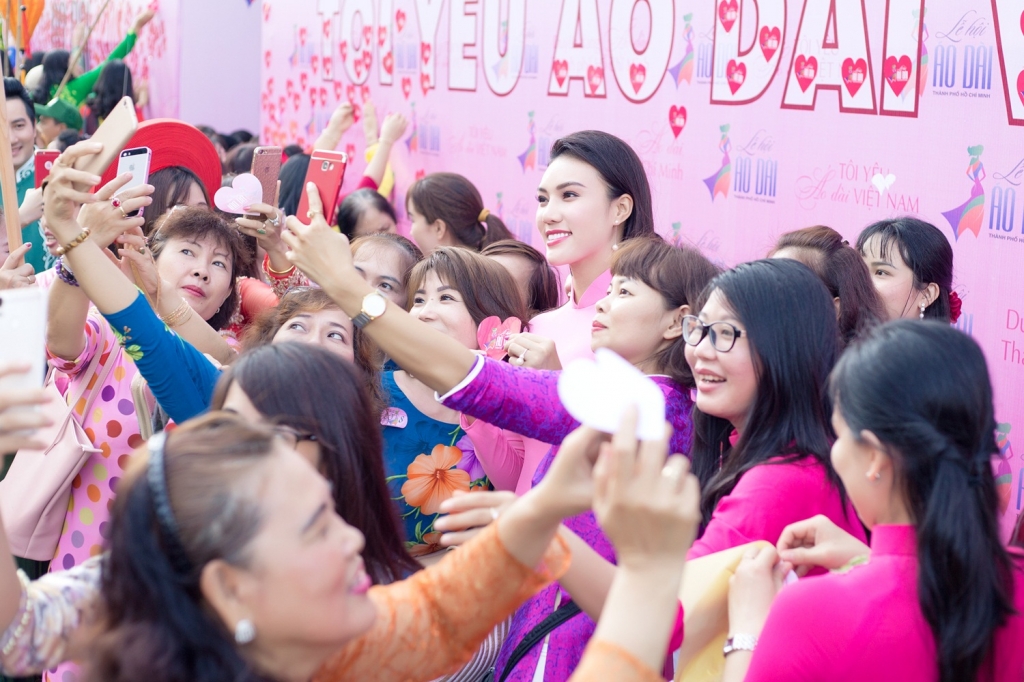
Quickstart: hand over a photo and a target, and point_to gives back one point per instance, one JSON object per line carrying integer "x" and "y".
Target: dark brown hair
{"x": 486, "y": 287}
{"x": 844, "y": 273}
{"x": 312, "y": 300}
{"x": 679, "y": 274}
{"x": 172, "y": 186}
{"x": 158, "y": 625}
{"x": 198, "y": 222}
{"x": 543, "y": 281}
{"x": 411, "y": 254}
{"x": 455, "y": 200}
{"x": 313, "y": 390}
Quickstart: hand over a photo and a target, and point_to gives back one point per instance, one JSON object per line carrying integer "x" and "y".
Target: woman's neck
{"x": 586, "y": 271}
{"x": 292, "y": 663}
{"x": 422, "y": 398}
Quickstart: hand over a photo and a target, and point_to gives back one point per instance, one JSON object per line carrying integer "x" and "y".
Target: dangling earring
{"x": 245, "y": 631}
{"x": 923, "y": 306}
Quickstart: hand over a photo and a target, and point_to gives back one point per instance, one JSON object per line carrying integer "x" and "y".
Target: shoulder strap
{"x": 98, "y": 386}
{"x": 538, "y": 633}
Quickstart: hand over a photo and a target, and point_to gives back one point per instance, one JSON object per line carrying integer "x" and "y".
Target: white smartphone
{"x": 22, "y": 336}
{"x": 135, "y": 161}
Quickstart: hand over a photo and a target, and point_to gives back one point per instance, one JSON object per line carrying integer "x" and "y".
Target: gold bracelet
{"x": 280, "y": 273}
{"x": 181, "y": 315}
{"x": 61, "y": 250}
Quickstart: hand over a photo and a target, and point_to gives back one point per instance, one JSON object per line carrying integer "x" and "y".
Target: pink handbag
{"x": 34, "y": 495}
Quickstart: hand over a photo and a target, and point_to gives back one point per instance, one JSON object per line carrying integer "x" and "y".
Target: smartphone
{"x": 135, "y": 161}
{"x": 44, "y": 162}
{"x": 115, "y": 132}
{"x": 22, "y": 336}
{"x": 266, "y": 166}
{"x": 326, "y": 171}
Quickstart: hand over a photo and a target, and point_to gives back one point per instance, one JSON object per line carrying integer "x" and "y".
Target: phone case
{"x": 135, "y": 161}
{"x": 266, "y": 166}
{"x": 44, "y": 162}
{"x": 115, "y": 133}
{"x": 326, "y": 171}
{"x": 22, "y": 335}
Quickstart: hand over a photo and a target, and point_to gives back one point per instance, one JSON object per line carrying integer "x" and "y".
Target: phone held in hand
{"x": 115, "y": 132}
{"x": 326, "y": 171}
{"x": 266, "y": 166}
{"x": 135, "y": 161}
{"x": 22, "y": 336}
{"x": 44, "y": 163}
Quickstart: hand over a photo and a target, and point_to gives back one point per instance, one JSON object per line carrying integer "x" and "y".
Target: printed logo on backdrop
{"x": 683, "y": 69}
{"x": 1004, "y": 221}
{"x": 1009, "y": 21}
{"x": 968, "y": 216}
{"x": 963, "y": 57}
{"x": 753, "y": 173}
{"x": 869, "y": 186}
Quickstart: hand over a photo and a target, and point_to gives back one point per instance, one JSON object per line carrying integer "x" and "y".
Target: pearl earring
{"x": 245, "y": 631}
{"x": 923, "y": 306}
{"x": 873, "y": 477}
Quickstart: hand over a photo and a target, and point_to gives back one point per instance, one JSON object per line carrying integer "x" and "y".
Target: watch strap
{"x": 361, "y": 320}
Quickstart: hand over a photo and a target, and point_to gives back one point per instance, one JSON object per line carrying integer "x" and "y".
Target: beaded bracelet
{"x": 64, "y": 274}
{"x": 180, "y": 315}
{"x": 83, "y": 235}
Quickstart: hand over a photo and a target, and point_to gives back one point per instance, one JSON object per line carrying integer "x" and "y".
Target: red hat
{"x": 175, "y": 143}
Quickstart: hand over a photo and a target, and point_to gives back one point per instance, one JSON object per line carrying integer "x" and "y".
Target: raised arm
{"x": 391, "y": 132}
{"x": 341, "y": 120}
{"x": 324, "y": 255}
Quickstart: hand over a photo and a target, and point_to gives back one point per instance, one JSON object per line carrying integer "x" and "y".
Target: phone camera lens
{"x": 326, "y": 166}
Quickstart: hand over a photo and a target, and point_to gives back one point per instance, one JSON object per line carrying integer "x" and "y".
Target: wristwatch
{"x": 739, "y": 643}
{"x": 374, "y": 305}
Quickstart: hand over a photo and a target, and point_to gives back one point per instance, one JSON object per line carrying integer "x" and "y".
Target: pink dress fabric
{"x": 867, "y": 624}
{"x": 569, "y": 327}
{"x": 114, "y": 429}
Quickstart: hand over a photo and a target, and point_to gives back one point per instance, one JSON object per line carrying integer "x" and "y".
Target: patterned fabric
{"x": 281, "y": 282}
{"x": 431, "y": 623}
{"x": 425, "y": 461}
{"x": 52, "y": 608}
{"x": 526, "y": 401}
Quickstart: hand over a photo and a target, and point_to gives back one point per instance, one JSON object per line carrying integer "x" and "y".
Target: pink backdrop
{"x": 752, "y": 118}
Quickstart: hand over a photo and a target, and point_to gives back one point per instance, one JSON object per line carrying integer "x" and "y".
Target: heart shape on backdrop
{"x": 677, "y": 119}
{"x": 595, "y": 76}
{"x": 735, "y": 75}
{"x": 1020, "y": 85}
{"x": 637, "y": 74}
{"x": 854, "y": 74}
{"x": 598, "y": 392}
{"x": 728, "y": 12}
{"x": 561, "y": 69}
{"x": 770, "y": 38}
{"x": 897, "y": 72}
{"x": 883, "y": 182}
{"x": 400, "y": 20}
{"x": 245, "y": 190}
{"x": 493, "y": 334}
{"x": 806, "y": 69}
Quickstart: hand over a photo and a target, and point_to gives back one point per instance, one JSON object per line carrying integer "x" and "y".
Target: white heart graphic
{"x": 245, "y": 191}
{"x": 883, "y": 182}
{"x": 597, "y": 394}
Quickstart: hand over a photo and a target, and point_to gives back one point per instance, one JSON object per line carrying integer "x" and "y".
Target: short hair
{"x": 13, "y": 89}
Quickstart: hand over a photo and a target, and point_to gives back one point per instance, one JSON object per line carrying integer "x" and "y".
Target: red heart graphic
{"x": 303, "y": 34}
{"x": 382, "y": 35}
{"x": 897, "y": 72}
{"x": 677, "y": 119}
{"x": 314, "y": 63}
{"x": 266, "y": 11}
{"x": 289, "y": 87}
{"x": 493, "y": 334}
{"x": 561, "y": 69}
{"x": 343, "y": 48}
{"x": 367, "y": 33}
{"x": 337, "y": 90}
{"x": 282, "y": 102}
{"x": 323, "y": 97}
{"x": 806, "y": 71}
{"x": 854, "y": 74}
{"x": 388, "y": 62}
{"x": 312, "y": 97}
{"x": 327, "y": 29}
{"x": 296, "y": 101}
{"x": 406, "y": 86}
{"x": 770, "y": 39}
{"x": 356, "y": 115}
{"x": 425, "y": 82}
{"x": 270, "y": 85}
{"x": 367, "y": 59}
{"x": 728, "y": 11}
{"x": 304, "y": 80}
{"x": 350, "y": 150}
{"x": 420, "y": 174}
{"x": 735, "y": 75}
{"x": 1022, "y": 22}
{"x": 400, "y": 20}
{"x": 328, "y": 63}
{"x": 637, "y": 74}
{"x": 358, "y": 66}
{"x": 365, "y": 92}
{"x": 266, "y": 58}
{"x": 350, "y": 93}
{"x": 595, "y": 76}
{"x": 1020, "y": 85}
{"x": 425, "y": 52}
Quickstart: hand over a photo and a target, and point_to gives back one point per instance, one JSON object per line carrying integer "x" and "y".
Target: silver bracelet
{"x": 739, "y": 642}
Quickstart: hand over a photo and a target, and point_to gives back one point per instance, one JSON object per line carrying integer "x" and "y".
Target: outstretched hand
{"x": 321, "y": 253}
{"x": 108, "y": 221}
{"x": 63, "y": 193}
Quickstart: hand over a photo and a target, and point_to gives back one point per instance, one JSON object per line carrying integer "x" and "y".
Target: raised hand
{"x": 531, "y": 350}
{"x": 108, "y": 217}
{"x": 752, "y": 589}
{"x": 321, "y": 253}
{"x": 818, "y": 542}
{"x": 63, "y": 193}
{"x": 469, "y": 513}
{"x": 15, "y": 272}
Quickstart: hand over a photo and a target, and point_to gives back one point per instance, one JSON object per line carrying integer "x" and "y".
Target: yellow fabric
{"x": 387, "y": 183}
{"x": 607, "y": 661}
{"x": 431, "y": 623}
{"x": 705, "y": 598}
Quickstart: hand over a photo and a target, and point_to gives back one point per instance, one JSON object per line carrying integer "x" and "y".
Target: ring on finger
{"x": 311, "y": 213}
{"x": 672, "y": 471}
{"x": 115, "y": 202}
{"x": 275, "y": 221}
{"x": 522, "y": 358}
{"x": 261, "y": 231}
{"x": 124, "y": 214}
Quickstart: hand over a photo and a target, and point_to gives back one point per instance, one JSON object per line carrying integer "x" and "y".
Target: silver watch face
{"x": 374, "y": 304}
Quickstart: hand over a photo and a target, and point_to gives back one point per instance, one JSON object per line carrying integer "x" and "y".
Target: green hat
{"x": 62, "y": 111}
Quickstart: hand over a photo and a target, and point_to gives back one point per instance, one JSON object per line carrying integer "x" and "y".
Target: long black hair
{"x": 314, "y": 390}
{"x": 114, "y": 83}
{"x": 923, "y": 390}
{"x": 292, "y": 175}
{"x": 924, "y": 249}
{"x": 790, "y": 321}
{"x": 55, "y": 65}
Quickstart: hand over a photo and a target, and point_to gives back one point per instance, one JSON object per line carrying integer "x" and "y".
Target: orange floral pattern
{"x": 434, "y": 478}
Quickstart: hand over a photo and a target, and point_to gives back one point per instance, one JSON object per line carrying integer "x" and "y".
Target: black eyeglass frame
{"x": 706, "y": 328}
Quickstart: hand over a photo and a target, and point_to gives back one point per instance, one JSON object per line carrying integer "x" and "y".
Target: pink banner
{"x": 752, "y": 118}
{"x": 155, "y": 57}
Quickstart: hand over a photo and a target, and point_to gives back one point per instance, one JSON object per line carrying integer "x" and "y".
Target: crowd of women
{"x": 306, "y": 468}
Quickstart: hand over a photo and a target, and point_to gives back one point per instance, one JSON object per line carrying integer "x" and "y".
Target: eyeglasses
{"x": 292, "y": 436}
{"x": 723, "y": 334}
